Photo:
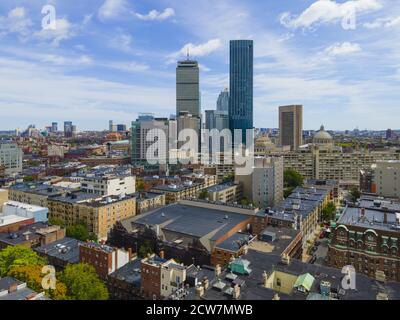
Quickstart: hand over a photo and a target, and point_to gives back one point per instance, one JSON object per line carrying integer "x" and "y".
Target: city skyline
{"x": 98, "y": 66}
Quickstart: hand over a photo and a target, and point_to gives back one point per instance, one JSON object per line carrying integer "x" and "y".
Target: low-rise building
{"x": 31, "y": 236}
{"x": 13, "y": 289}
{"x": 61, "y": 252}
{"x": 367, "y": 237}
{"x": 174, "y": 193}
{"x": 34, "y": 193}
{"x": 227, "y": 192}
{"x": 125, "y": 282}
{"x": 103, "y": 258}
{"x": 146, "y": 201}
{"x": 14, "y": 208}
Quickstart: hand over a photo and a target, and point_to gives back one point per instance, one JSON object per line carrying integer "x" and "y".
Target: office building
{"x": 223, "y": 101}
{"x": 187, "y": 88}
{"x": 68, "y": 129}
{"x": 188, "y": 121}
{"x": 54, "y": 127}
{"x": 241, "y": 86}
{"x": 291, "y": 126}
{"x": 10, "y": 157}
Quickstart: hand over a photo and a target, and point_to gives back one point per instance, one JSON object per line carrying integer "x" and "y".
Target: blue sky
{"x": 112, "y": 59}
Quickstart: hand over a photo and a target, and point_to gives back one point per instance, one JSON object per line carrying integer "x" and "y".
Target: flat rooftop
{"x": 129, "y": 273}
{"x": 175, "y": 188}
{"x": 38, "y": 188}
{"x": 189, "y": 220}
{"x": 66, "y": 249}
{"x": 221, "y": 187}
{"x": 372, "y": 219}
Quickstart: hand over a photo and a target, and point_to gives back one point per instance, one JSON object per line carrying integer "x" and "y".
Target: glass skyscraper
{"x": 241, "y": 86}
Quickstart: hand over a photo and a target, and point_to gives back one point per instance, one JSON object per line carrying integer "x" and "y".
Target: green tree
{"x": 17, "y": 256}
{"x": 57, "y": 222}
{"x": 28, "y": 179}
{"x": 83, "y": 283}
{"x": 140, "y": 185}
{"x": 291, "y": 180}
{"x": 355, "y": 194}
{"x": 203, "y": 194}
{"x": 80, "y": 231}
{"x": 145, "y": 249}
{"x": 329, "y": 212}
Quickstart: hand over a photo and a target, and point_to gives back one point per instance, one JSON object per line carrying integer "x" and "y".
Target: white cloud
{"x": 383, "y": 22}
{"x": 157, "y": 15}
{"x": 328, "y": 11}
{"x": 344, "y": 48}
{"x": 131, "y": 66}
{"x": 122, "y": 41}
{"x": 112, "y": 9}
{"x": 200, "y": 50}
{"x": 63, "y": 31}
{"x": 16, "y": 21}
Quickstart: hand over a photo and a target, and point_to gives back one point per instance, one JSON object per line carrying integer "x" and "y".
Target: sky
{"x": 112, "y": 59}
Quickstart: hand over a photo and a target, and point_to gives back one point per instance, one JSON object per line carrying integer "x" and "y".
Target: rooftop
{"x": 129, "y": 273}
{"x": 66, "y": 249}
{"x": 221, "y": 187}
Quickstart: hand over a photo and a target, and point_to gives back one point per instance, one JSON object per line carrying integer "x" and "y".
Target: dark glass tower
{"x": 241, "y": 86}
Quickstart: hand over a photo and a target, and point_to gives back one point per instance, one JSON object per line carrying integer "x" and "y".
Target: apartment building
{"x": 100, "y": 214}
{"x": 10, "y": 157}
{"x": 174, "y": 193}
{"x": 386, "y": 178}
{"x": 227, "y": 192}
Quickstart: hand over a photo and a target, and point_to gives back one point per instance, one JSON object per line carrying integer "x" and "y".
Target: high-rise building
{"x": 223, "y": 101}
{"x": 121, "y": 127}
{"x": 264, "y": 186}
{"x": 188, "y": 121}
{"x": 241, "y": 86}
{"x": 10, "y": 157}
{"x": 187, "y": 88}
{"x": 291, "y": 126}
{"x": 216, "y": 120}
{"x": 54, "y": 127}
{"x": 143, "y": 138}
{"x": 68, "y": 130}
{"x": 386, "y": 178}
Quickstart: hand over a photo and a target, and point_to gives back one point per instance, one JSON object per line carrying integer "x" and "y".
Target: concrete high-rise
{"x": 187, "y": 88}
{"x": 241, "y": 86}
{"x": 291, "y": 126}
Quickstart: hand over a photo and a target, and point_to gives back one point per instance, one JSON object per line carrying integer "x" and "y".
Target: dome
{"x": 322, "y": 136}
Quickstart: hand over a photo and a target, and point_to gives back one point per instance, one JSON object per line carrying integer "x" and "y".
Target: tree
{"x": 140, "y": 185}
{"x": 33, "y": 277}
{"x": 57, "y": 222}
{"x": 83, "y": 283}
{"x": 291, "y": 180}
{"x": 329, "y": 212}
{"x": 355, "y": 194}
{"x": 17, "y": 256}
{"x": 80, "y": 232}
{"x": 145, "y": 249}
{"x": 28, "y": 179}
{"x": 203, "y": 194}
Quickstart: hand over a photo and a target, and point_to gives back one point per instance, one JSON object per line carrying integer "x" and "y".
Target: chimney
{"x": 205, "y": 283}
{"x": 265, "y": 279}
{"x": 362, "y": 212}
{"x": 12, "y": 288}
{"x": 385, "y": 217}
{"x": 276, "y": 297}
{"x": 217, "y": 270}
{"x": 236, "y": 292}
{"x": 200, "y": 291}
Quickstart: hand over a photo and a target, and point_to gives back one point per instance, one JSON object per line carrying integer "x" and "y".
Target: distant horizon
{"x": 112, "y": 59}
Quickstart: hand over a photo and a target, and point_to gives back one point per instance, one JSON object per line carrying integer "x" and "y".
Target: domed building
{"x": 323, "y": 139}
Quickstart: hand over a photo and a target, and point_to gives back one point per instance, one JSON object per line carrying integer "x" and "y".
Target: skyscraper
{"x": 241, "y": 86}
{"x": 54, "y": 127}
{"x": 291, "y": 126}
{"x": 187, "y": 88}
{"x": 223, "y": 101}
{"x": 68, "y": 129}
